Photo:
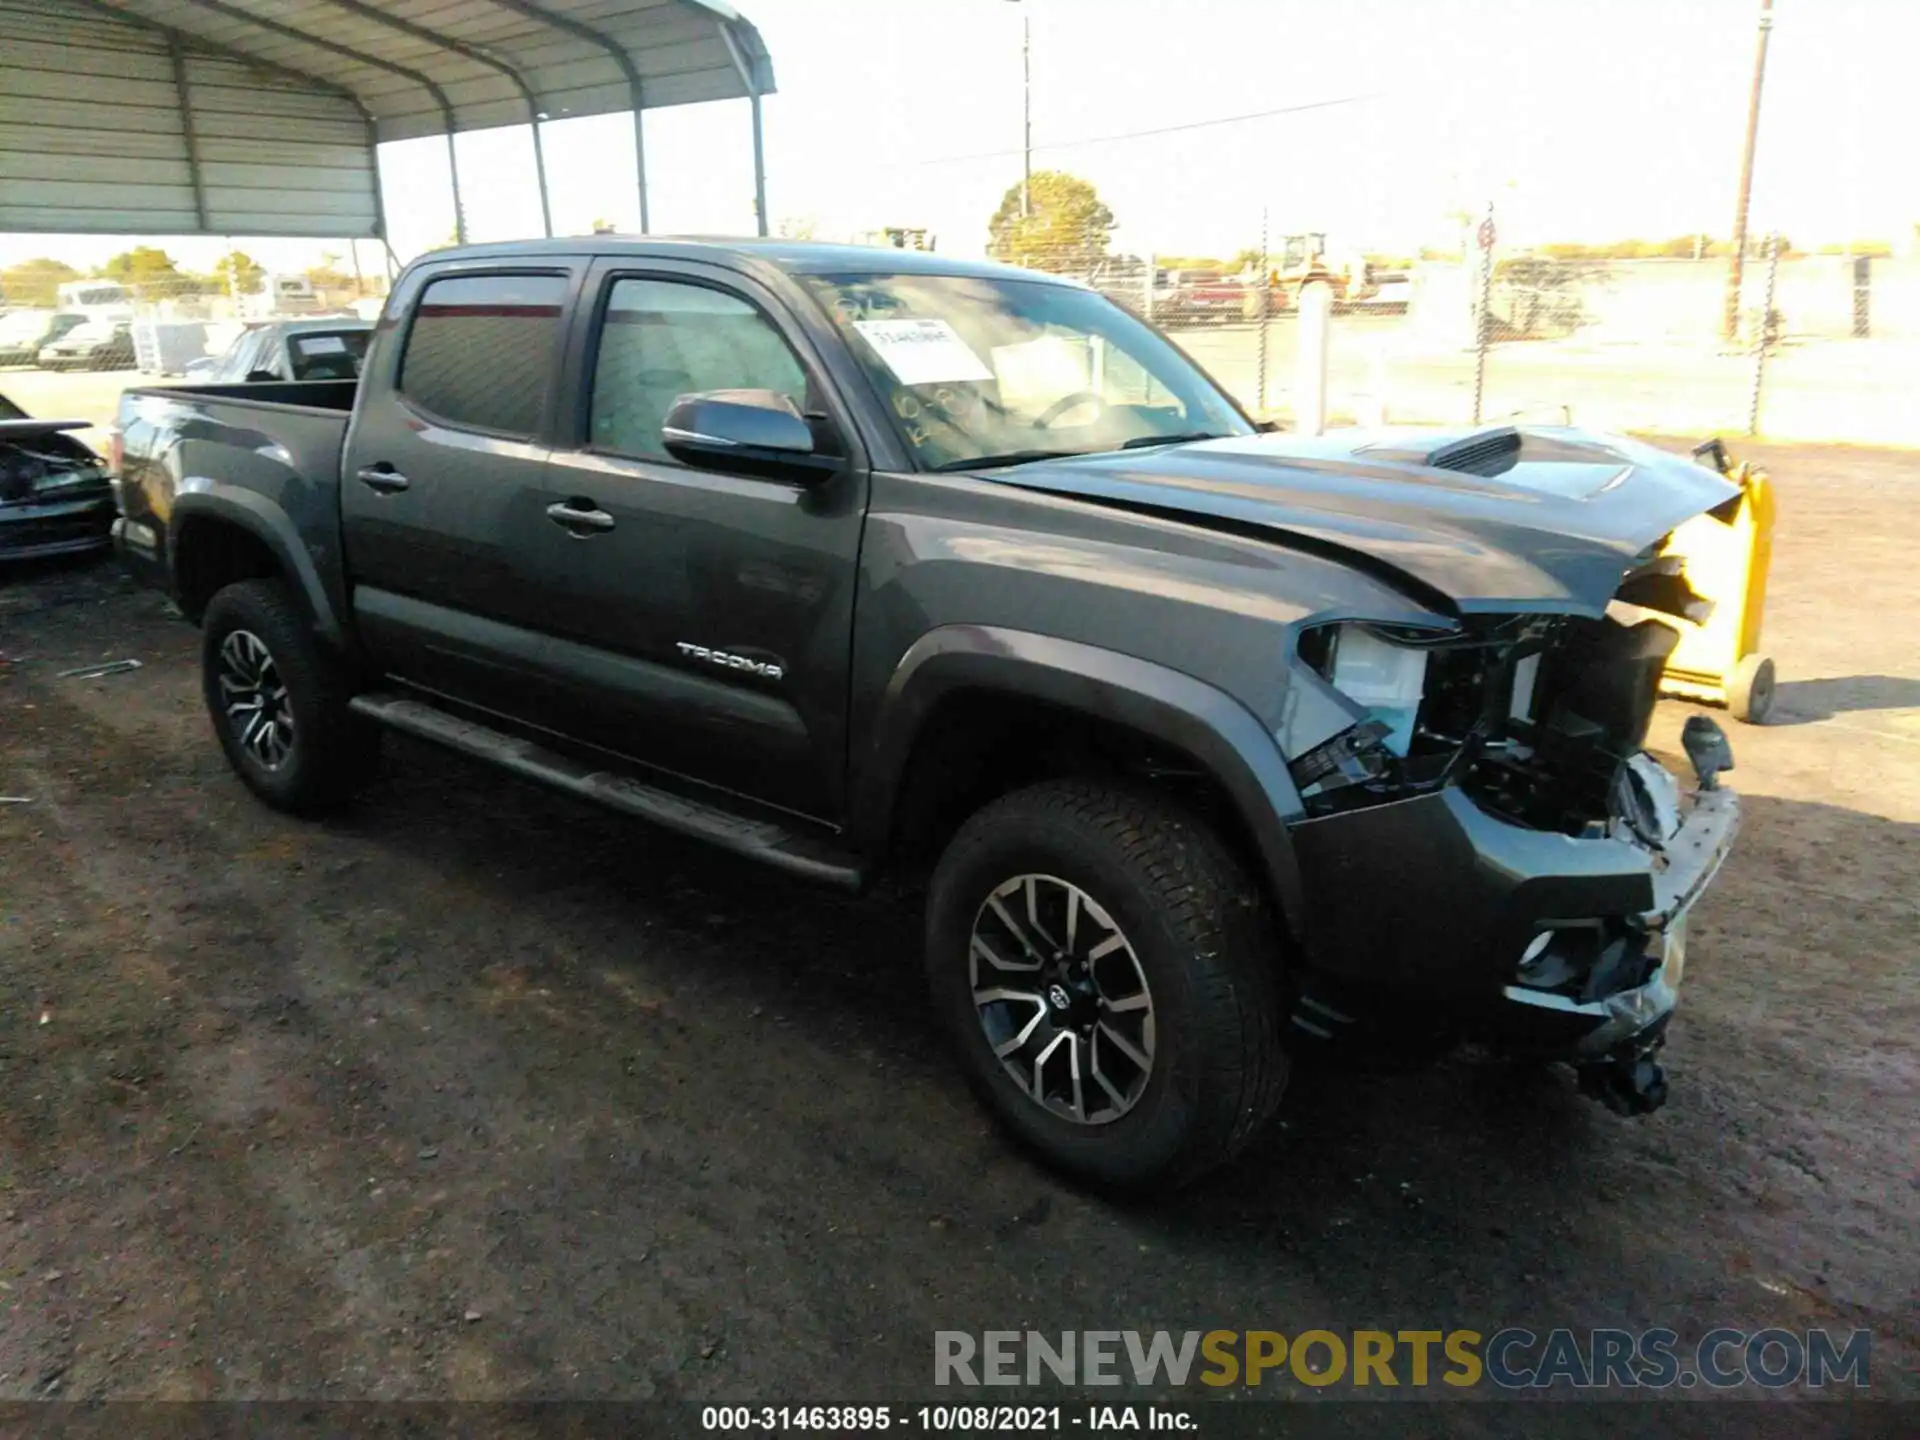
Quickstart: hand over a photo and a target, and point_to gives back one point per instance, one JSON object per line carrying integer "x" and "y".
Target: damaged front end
{"x": 55, "y": 496}
{"x": 1488, "y": 845}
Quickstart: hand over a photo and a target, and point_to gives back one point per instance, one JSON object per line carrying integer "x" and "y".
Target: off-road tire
{"x": 1203, "y": 936}
{"x": 333, "y": 751}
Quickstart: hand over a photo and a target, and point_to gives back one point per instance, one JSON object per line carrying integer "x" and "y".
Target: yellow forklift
{"x": 1726, "y": 554}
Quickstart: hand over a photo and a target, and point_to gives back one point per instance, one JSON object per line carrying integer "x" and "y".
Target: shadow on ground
{"x": 1799, "y": 702}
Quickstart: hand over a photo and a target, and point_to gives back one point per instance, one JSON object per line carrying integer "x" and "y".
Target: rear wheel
{"x": 1750, "y": 689}
{"x": 1109, "y": 978}
{"x": 278, "y": 701}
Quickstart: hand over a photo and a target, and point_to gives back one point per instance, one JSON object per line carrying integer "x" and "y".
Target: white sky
{"x": 1581, "y": 120}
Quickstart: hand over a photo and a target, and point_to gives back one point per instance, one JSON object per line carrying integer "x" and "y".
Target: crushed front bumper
{"x": 1692, "y": 857}
{"x": 1429, "y": 906}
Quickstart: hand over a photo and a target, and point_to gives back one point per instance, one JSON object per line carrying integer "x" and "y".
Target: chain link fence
{"x": 152, "y": 319}
{"x": 1827, "y": 346}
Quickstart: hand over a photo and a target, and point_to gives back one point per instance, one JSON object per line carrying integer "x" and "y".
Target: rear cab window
{"x": 481, "y": 350}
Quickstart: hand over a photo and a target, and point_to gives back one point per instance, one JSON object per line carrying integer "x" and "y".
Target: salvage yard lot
{"x": 475, "y": 1091}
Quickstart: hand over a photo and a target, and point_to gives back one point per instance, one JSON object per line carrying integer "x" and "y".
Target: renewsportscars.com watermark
{"x": 1509, "y": 1359}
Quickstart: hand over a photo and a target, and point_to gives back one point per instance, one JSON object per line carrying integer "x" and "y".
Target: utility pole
{"x": 1026, "y": 109}
{"x": 1730, "y": 321}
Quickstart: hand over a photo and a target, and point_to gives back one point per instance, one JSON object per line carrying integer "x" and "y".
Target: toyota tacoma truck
{"x": 1210, "y": 745}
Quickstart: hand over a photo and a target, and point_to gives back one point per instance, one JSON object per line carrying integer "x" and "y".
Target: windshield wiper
{"x": 1140, "y": 442}
{"x": 1012, "y": 457}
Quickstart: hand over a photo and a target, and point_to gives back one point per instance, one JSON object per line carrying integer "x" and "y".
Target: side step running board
{"x": 765, "y": 840}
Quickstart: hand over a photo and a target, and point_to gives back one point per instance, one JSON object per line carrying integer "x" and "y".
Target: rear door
{"x": 706, "y": 616}
{"x": 441, "y": 478}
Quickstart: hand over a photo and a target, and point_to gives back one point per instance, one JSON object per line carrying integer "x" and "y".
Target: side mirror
{"x": 758, "y": 432}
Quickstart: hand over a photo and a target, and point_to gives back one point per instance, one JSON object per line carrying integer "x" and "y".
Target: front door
{"x": 707, "y": 616}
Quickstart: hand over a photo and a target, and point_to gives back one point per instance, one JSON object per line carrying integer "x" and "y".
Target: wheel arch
{"x": 953, "y": 667}
{"x": 218, "y": 534}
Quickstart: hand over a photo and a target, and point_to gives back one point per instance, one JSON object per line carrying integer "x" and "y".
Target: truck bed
{"x": 188, "y": 448}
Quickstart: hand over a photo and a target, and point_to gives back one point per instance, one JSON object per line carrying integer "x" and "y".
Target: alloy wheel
{"x": 1062, "y": 999}
{"x": 254, "y": 699}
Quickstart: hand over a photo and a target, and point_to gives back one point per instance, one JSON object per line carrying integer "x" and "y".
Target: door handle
{"x": 570, "y": 515}
{"x": 384, "y": 478}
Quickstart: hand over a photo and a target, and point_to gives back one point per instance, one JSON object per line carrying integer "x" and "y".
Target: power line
{"x": 1158, "y": 130}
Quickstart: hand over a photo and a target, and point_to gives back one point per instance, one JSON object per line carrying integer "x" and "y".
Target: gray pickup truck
{"x": 1212, "y": 746}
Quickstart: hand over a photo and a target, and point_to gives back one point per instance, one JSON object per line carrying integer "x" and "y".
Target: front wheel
{"x": 1109, "y": 978}
{"x": 278, "y": 701}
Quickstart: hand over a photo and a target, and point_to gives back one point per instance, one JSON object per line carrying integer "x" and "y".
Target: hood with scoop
{"x": 1542, "y": 519}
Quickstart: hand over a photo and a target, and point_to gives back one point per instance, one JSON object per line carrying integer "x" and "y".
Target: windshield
{"x": 984, "y": 371}
{"x": 24, "y": 325}
{"x": 91, "y": 331}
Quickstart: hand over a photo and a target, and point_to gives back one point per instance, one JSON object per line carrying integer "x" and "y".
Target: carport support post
{"x": 751, "y": 85}
{"x": 759, "y": 165}
{"x": 184, "y": 97}
{"x": 459, "y": 211}
{"x": 540, "y": 175}
{"x": 639, "y": 153}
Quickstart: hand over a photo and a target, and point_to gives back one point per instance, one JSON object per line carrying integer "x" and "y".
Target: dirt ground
{"x": 477, "y": 1092}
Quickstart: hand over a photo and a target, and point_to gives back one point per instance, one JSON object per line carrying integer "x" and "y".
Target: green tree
{"x": 239, "y": 273}
{"x": 328, "y": 275}
{"x": 142, "y": 265}
{"x": 1065, "y": 230}
{"x": 36, "y": 283}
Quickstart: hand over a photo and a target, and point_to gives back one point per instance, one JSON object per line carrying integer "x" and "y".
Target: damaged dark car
{"x": 1211, "y": 745}
{"x": 55, "y": 494}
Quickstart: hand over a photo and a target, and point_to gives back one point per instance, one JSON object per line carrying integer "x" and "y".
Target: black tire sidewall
{"x": 1137, "y": 1148}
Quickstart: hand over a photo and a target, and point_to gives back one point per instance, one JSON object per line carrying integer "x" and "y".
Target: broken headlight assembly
{"x": 1359, "y": 720}
{"x": 1534, "y": 716}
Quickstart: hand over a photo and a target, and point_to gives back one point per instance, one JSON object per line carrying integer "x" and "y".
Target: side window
{"x": 665, "y": 338}
{"x": 481, "y": 349}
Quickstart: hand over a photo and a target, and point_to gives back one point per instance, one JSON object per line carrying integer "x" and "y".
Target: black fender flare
{"x": 1166, "y": 704}
{"x": 199, "y": 498}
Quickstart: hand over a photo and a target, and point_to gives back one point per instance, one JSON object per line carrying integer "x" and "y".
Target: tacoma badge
{"x": 766, "y": 669}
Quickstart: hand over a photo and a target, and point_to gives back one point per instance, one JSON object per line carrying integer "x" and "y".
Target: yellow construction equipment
{"x": 1726, "y": 553}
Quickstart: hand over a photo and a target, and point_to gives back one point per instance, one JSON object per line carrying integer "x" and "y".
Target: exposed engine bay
{"x": 1537, "y": 718}
{"x": 55, "y": 494}
{"x": 37, "y": 456}
{"x": 35, "y": 466}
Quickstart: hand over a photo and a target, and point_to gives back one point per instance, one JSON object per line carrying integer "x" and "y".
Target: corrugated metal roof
{"x": 258, "y": 117}
{"x": 111, "y": 127}
{"x": 572, "y": 56}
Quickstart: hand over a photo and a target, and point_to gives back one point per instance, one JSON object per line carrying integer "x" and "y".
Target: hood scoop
{"x": 1486, "y": 453}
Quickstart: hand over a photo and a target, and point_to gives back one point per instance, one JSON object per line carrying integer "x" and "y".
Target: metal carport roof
{"x": 260, "y": 117}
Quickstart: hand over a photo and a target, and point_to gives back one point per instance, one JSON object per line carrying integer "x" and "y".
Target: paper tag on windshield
{"x": 922, "y": 352}
{"x": 320, "y": 344}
